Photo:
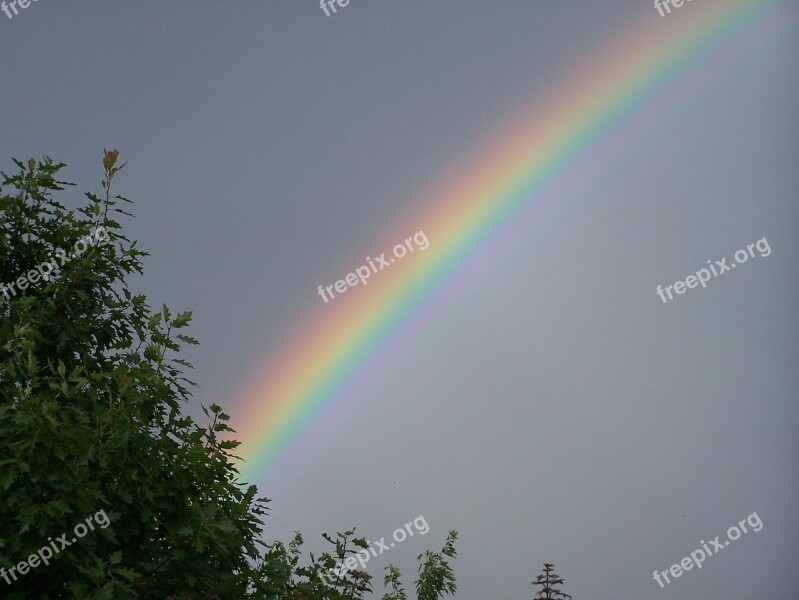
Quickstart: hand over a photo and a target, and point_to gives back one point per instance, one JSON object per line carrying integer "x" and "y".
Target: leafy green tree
{"x": 90, "y": 415}
{"x": 313, "y": 582}
{"x": 91, "y": 390}
{"x": 548, "y": 581}
{"x": 436, "y": 577}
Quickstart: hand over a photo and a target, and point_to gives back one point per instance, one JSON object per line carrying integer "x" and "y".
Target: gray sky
{"x": 557, "y": 410}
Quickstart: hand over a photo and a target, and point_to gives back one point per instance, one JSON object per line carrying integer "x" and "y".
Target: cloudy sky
{"x": 556, "y": 409}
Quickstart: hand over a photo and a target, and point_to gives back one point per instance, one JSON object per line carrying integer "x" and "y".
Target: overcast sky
{"x": 557, "y": 410}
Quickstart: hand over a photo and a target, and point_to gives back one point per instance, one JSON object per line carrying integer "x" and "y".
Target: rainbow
{"x": 491, "y": 198}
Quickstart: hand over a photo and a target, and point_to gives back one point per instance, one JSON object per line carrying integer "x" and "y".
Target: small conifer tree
{"x": 548, "y": 582}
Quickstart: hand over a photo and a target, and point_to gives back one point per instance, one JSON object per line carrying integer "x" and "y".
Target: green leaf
{"x": 182, "y": 320}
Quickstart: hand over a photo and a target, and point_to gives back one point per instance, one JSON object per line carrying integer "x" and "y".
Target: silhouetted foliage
{"x": 548, "y": 582}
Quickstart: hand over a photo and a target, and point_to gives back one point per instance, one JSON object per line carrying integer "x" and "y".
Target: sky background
{"x": 557, "y": 410}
